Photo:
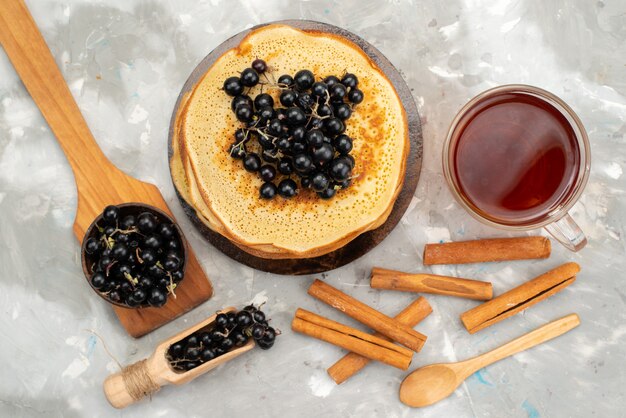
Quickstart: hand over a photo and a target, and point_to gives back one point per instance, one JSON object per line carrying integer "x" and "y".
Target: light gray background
{"x": 125, "y": 62}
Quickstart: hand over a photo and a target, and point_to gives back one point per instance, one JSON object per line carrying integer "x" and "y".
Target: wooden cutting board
{"x": 99, "y": 183}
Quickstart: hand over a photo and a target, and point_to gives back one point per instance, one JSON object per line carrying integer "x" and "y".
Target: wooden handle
{"x": 116, "y": 386}
{"x": 430, "y": 283}
{"x": 35, "y": 65}
{"x": 99, "y": 183}
{"x": 542, "y": 334}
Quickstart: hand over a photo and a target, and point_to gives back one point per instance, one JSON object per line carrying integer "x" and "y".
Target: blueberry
{"x": 259, "y": 65}
{"x": 285, "y": 80}
{"x": 111, "y": 214}
{"x": 343, "y": 111}
{"x": 275, "y": 127}
{"x": 314, "y": 138}
{"x": 267, "y": 172}
{"x": 104, "y": 262}
{"x": 331, "y": 80}
{"x": 167, "y": 231}
{"x": 176, "y": 350}
{"x": 349, "y": 80}
{"x": 287, "y": 188}
{"x": 244, "y": 318}
{"x": 298, "y": 147}
{"x": 343, "y": 144}
{"x": 323, "y": 153}
{"x": 295, "y": 116}
{"x": 263, "y": 100}
{"x": 98, "y": 280}
{"x": 252, "y": 162}
{"x": 266, "y": 113}
{"x": 288, "y": 98}
{"x": 115, "y": 296}
{"x": 257, "y": 331}
{"x": 207, "y": 355}
{"x": 355, "y": 96}
{"x": 284, "y": 144}
{"x": 303, "y": 163}
{"x": 324, "y": 110}
{"x": 92, "y": 246}
{"x": 157, "y": 297}
{"x": 139, "y": 295}
{"x": 172, "y": 263}
{"x": 319, "y": 89}
{"x": 233, "y": 86}
{"x": 146, "y": 222}
{"x": 334, "y": 126}
{"x": 240, "y": 100}
{"x": 128, "y": 222}
{"x": 177, "y": 275}
{"x": 285, "y": 166}
{"x": 244, "y": 113}
{"x": 339, "y": 169}
{"x": 298, "y": 133}
{"x": 149, "y": 257}
{"x": 320, "y": 181}
{"x": 305, "y": 101}
{"x": 237, "y": 152}
{"x": 146, "y": 282}
{"x": 249, "y": 77}
{"x": 337, "y": 91}
{"x": 304, "y": 79}
{"x": 268, "y": 190}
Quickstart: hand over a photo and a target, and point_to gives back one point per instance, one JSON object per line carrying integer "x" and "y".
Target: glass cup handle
{"x": 568, "y": 233}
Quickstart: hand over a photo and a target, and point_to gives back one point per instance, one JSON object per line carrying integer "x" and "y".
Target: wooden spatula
{"x": 430, "y": 384}
{"x": 99, "y": 183}
{"x": 158, "y": 369}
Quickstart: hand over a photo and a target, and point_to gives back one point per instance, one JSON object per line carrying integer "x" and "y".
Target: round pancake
{"x": 226, "y": 197}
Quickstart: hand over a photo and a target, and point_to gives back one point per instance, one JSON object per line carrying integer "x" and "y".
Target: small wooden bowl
{"x": 161, "y": 372}
{"x": 128, "y": 209}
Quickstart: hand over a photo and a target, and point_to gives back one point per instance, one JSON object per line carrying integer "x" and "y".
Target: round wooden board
{"x": 364, "y": 242}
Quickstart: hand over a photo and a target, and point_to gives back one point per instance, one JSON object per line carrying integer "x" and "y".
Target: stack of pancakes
{"x": 226, "y": 197}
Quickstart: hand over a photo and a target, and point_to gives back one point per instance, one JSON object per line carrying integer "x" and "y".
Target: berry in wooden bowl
{"x": 133, "y": 255}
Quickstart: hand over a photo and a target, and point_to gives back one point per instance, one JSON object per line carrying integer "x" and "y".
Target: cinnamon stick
{"x": 520, "y": 298}
{"x": 367, "y": 315}
{"x": 485, "y": 250}
{"x": 430, "y": 283}
{"x": 352, "y": 363}
{"x": 370, "y": 346}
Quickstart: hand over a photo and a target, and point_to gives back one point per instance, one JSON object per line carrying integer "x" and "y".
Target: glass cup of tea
{"x": 517, "y": 157}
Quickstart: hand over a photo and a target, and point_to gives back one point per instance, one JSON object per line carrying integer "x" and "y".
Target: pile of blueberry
{"x": 136, "y": 261}
{"x": 230, "y": 330}
{"x": 300, "y": 138}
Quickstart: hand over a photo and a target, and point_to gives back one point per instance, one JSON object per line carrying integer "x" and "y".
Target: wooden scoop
{"x": 430, "y": 384}
{"x": 99, "y": 183}
{"x": 161, "y": 372}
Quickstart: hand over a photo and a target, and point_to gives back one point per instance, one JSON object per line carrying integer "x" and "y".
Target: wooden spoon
{"x": 162, "y": 373}
{"x": 99, "y": 183}
{"x": 430, "y": 384}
